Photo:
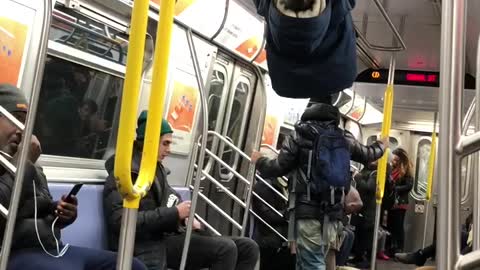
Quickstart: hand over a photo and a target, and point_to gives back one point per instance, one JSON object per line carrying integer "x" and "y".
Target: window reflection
{"x": 423, "y": 156}
{"x": 76, "y": 109}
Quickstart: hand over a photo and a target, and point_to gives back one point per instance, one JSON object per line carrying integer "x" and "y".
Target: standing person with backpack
{"x": 317, "y": 159}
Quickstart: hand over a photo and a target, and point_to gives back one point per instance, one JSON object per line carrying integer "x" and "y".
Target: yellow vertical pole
{"x": 387, "y": 123}
{"x": 131, "y": 86}
{"x": 132, "y": 193}
{"x": 431, "y": 161}
{"x": 382, "y": 164}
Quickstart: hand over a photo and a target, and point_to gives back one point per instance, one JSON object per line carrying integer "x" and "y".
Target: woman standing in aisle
{"x": 402, "y": 178}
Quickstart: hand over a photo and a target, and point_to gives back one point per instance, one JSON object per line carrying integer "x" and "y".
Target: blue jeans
{"x": 76, "y": 258}
{"x": 346, "y": 248}
{"x": 314, "y": 241}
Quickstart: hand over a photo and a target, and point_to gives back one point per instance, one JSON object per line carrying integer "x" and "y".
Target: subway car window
{"x": 76, "y": 109}
{"x": 82, "y": 33}
{"x": 421, "y": 174}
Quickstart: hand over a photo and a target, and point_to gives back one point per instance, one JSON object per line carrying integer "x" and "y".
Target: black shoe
{"x": 355, "y": 260}
{"x": 411, "y": 258}
{"x": 365, "y": 264}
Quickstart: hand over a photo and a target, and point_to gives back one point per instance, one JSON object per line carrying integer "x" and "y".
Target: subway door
{"x": 415, "y": 218}
{"x": 217, "y": 97}
{"x": 234, "y": 130}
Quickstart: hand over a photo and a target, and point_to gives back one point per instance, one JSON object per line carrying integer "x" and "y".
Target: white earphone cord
{"x": 65, "y": 248}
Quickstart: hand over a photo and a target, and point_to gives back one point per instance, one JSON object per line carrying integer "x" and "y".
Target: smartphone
{"x": 74, "y": 191}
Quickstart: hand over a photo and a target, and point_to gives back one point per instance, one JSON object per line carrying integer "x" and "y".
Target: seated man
{"x": 161, "y": 218}
{"x": 40, "y": 219}
{"x": 275, "y": 252}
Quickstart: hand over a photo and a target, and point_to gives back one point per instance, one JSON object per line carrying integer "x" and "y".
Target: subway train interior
{"x": 81, "y": 79}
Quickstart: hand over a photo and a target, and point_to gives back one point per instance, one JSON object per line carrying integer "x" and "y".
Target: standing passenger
{"x": 317, "y": 215}
{"x": 402, "y": 178}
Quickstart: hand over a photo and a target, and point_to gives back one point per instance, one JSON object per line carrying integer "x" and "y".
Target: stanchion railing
{"x": 204, "y": 121}
{"x": 476, "y": 166}
{"x": 132, "y": 193}
{"x": 249, "y": 185}
{"x": 454, "y": 147}
{"x": 382, "y": 164}
{"x": 26, "y": 137}
{"x": 430, "y": 175}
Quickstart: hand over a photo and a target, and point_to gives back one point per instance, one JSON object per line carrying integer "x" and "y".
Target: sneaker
{"x": 411, "y": 258}
{"x": 382, "y": 256}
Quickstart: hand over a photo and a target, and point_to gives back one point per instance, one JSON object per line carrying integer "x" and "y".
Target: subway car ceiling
{"x": 418, "y": 22}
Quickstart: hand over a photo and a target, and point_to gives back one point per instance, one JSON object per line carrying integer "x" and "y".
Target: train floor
{"x": 392, "y": 265}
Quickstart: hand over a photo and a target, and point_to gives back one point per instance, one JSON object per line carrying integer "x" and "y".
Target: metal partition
{"x": 26, "y": 137}
{"x": 249, "y": 182}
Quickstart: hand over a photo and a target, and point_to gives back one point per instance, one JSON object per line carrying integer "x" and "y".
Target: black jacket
{"x": 366, "y": 185}
{"x": 25, "y": 236}
{"x": 293, "y": 155}
{"x": 265, "y": 237}
{"x": 402, "y": 188}
{"x": 155, "y": 219}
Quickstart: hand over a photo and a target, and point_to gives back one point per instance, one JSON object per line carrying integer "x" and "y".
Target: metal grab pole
{"x": 26, "y": 138}
{"x": 431, "y": 173}
{"x": 476, "y": 184}
{"x": 382, "y": 164}
{"x": 451, "y": 85}
{"x": 123, "y": 159}
{"x": 201, "y": 157}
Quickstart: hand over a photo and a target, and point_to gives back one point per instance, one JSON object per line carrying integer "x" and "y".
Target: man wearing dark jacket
{"x": 317, "y": 224}
{"x": 275, "y": 252}
{"x": 40, "y": 219}
{"x": 161, "y": 218}
{"x": 364, "y": 221}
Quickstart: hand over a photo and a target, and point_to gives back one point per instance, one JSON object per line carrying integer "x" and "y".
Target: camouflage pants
{"x": 314, "y": 239}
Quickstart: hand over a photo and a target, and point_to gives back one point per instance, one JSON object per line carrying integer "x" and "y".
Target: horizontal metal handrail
{"x": 222, "y": 187}
{"x": 223, "y": 163}
{"x": 3, "y": 211}
{"x": 204, "y": 222}
{"x": 270, "y": 147}
{"x": 271, "y": 187}
{"x": 395, "y": 32}
{"x": 12, "y": 118}
{"x": 267, "y": 204}
{"x": 8, "y": 165}
{"x": 231, "y": 145}
{"x": 268, "y": 225}
{"x": 219, "y": 210}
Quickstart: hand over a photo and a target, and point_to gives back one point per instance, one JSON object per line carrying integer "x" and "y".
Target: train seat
{"x": 89, "y": 230}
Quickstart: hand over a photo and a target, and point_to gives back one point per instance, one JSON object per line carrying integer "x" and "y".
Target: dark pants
{"x": 76, "y": 258}
{"x": 274, "y": 259}
{"x": 395, "y": 222}
{"x": 346, "y": 248}
{"x": 362, "y": 246}
{"x": 215, "y": 253}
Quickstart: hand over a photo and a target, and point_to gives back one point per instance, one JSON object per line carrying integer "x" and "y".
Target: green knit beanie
{"x": 142, "y": 123}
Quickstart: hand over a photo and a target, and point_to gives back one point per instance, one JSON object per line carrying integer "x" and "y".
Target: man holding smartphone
{"x": 36, "y": 241}
{"x": 161, "y": 220}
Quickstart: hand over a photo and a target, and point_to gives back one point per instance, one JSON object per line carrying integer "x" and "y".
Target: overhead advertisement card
{"x": 15, "y": 32}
